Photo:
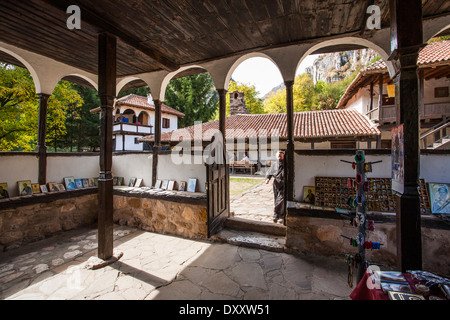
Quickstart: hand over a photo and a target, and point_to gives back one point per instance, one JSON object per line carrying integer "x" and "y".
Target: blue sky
{"x": 263, "y": 74}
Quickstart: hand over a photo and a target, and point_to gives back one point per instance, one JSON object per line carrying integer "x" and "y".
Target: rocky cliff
{"x": 336, "y": 66}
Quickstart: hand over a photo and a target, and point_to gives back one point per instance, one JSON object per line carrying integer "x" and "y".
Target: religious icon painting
{"x": 164, "y": 184}
{"x": 171, "y": 185}
{"x": 43, "y": 188}
{"x": 53, "y": 187}
{"x": 35, "y": 187}
{"x": 182, "y": 186}
{"x": 138, "y": 183}
{"x": 61, "y": 187}
{"x": 78, "y": 183}
{"x": 91, "y": 182}
{"x": 70, "y": 183}
{"x": 439, "y": 198}
{"x": 132, "y": 182}
{"x": 158, "y": 184}
{"x": 24, "y": 188}
{"x": 85, "y": 183}
{"x": 192, "y": 185}
{"x": 4, "y": 190}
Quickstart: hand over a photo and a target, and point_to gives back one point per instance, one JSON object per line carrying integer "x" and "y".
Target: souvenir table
{"x": 418, "y": 287}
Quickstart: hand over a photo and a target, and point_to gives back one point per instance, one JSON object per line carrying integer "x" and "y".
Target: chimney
{"x": 237, "y": 103}
{"x": 150, "y": 99}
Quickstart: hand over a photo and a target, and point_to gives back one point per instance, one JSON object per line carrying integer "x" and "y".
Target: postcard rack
{"x": 334, "y": 192}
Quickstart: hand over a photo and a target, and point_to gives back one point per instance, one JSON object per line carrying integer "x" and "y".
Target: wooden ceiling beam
{"x": 103, "y": 25}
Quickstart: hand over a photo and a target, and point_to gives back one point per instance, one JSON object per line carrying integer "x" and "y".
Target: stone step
{"x": 251, "y": 240}
{"x": 269, "y": 228}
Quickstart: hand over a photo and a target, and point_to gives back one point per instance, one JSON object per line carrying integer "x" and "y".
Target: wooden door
{"x": 218, "y": 196}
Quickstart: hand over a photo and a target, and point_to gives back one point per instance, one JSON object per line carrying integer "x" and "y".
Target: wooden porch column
{"x": 380, "y": 106}
{"x": 157, "y": 142}
{"x": 42, "y": 134}
{"x": 107, "y": 46}
{"x": 222, "y": 110}
{"x": 406, "y": 42}
{"x": 290, "y": 141}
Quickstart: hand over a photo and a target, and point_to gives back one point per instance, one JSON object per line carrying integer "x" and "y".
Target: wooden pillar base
{"x": 105, "y": 218}
{"x": 409, "y": 244}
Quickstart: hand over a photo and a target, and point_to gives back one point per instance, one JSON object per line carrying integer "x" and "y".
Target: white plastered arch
{"x": 91, "y": 81}
{"x": 33, "y": 73}
{"x": 351, "y": 40}
{"x": 46, "y": 72}
{"x": 165, "y": 81}
{"x": 243, "y": 58}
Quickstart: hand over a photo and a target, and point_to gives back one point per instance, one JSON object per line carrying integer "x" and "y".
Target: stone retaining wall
{"x": 35, "y": 219}
{"x": 167, "y": 213}
{"x": 321, "y": 234}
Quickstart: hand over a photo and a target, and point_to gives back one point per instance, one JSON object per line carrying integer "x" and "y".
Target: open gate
{"x": 218, "y": 191}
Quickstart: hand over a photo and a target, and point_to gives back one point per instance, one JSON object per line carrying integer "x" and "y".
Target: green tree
{"x": 82, "y": 125}
{"x": 195, "y": 96}
{"x": 18, "y": 109}
{"x": 327, "y": 95}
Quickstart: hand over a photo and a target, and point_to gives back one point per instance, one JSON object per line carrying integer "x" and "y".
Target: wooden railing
{"x": 132, "y": 128}
{"x": 387, "y": 113}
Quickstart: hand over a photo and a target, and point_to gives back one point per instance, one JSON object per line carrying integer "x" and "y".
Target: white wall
{"x": 16, "y": 168}
{"x": 133, "y": 165}
{"x": 433, "y": 168}
{"x": 168, "y": 169}
{"x": 79, "y": 167}
{"x": 173, "y": 122}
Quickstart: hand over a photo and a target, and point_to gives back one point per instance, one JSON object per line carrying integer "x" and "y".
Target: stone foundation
{"x": 177, "y": 213}
{"x": 36, "y": 219}
{"x": 319, "y": 232}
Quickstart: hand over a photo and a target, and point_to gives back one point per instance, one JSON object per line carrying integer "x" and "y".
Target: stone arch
{"x": 165, "y": 81}
{"x": 350, "y": 40}
{"x": 34, "y": 74}
{"x": 243, "y": 58}
{"x": 432, "y": 28}
{"x": 84, "y": 78}
{"x": 121, "y": 83}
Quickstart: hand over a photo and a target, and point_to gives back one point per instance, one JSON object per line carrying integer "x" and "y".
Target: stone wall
{"x": 321, "y": 234}
{"x": 175, "y": 214}
{"x": 34, "y": 219}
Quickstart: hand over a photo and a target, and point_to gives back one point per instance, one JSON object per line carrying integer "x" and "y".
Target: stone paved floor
{"x": 163, "y": 267}
{"x": 254, "y": 204}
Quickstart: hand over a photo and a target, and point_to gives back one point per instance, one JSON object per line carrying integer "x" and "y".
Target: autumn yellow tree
{"x": 19, "y": 110}
{"x": 303, "y": 93}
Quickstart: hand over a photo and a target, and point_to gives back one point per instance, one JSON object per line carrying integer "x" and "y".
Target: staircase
{"x": 252, "y": 234}
{"x": 442, "y": 143}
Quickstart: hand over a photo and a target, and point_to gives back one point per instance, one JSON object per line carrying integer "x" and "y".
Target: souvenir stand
{"x": 359, "y": 221}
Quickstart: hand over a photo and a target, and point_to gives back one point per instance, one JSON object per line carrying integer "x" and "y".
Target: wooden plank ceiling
{"x": 165, "y": 34}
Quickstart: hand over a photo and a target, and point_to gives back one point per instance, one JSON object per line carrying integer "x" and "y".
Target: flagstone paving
{"x": 255, "y": 204}
{"x": 164, "y": 267}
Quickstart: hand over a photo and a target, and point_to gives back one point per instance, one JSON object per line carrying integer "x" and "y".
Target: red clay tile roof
{"x": 134, "y": 100}
{"x": 432, "y": 55}
{"x": 311, "y": 124}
